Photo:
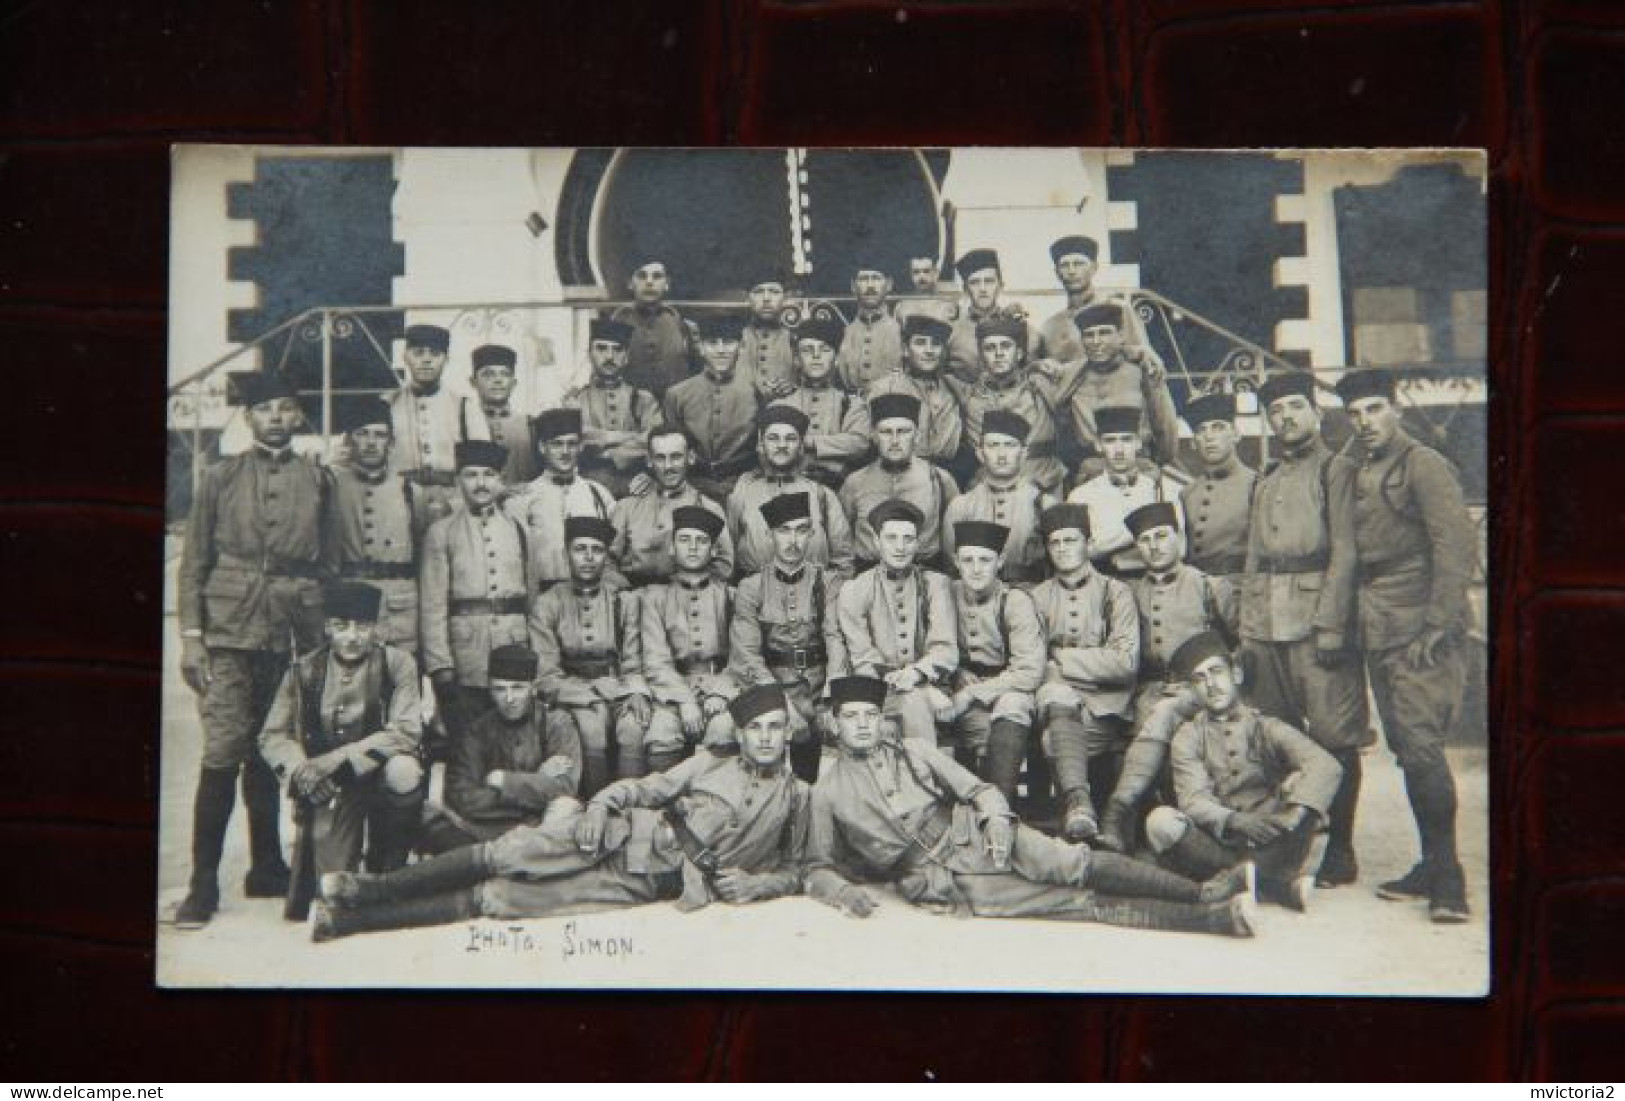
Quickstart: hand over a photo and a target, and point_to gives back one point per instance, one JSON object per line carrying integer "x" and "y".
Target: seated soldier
{"x": 786, "y": 627}
{"x": 1002, "y": 495}
{"x": 1175, "y": 602}
{"x": 587, "y": 636}
{"x": 616, "y": 418}
{"x": 1121, "y": 488}
{"x": 1001, "y": 658}
{"x": 1264, "y": 809}
{"x": 343, "y": 735}
{"x": 717, "y": 827}
{"x": 951, "y": 843}
{"x": 515, "y": 763}
{"x": 782, "y": 433}
{"x": 685, "y": 645}
{"x": 897, "y": 473}
{"x": 897, "y": 622}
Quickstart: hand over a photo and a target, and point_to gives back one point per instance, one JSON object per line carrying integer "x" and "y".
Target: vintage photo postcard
{"x": 1054, "y": 570}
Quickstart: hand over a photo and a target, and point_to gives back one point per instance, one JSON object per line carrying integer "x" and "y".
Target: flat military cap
{"x": 1101, "y": 313}
{"x": 353, "y": 600}
{"x": 480, "y": 453}
{"x": 886, "y": 407}
{"x": 856, "y": 689}
{"x": 643, "y": 258}
{"x": 1064, "y": 517}
{"x": 895, "y": 509}
{"x": 1013, "y": 327}
{"x": 695, "y": 518}
{"x": 923, "y": 324}
{"x": 765, "y": 275}
{"x": 1117, "y": 420}
{"x": 1194, "y": 651}
{"x": 512, "y": 662}
{"x": 1366, "y": 382}
{"x": 1158, "y": 514}
{"x": 552, "y": 423}
{"x": 756, "y": 701}
{"x": 719, "y": 325}
{"x": 588, "y": 527}
{"x": 250, "y": 388}
{"x": 616, "y": 332}
{"x": 828, "y": 329}
{"x": 428, "y": 336}
{"x": 493, "y": 355}
{"x": 358, "y": 411}
{"x": 1005, "y": 422}
{"x": 981, "y": 533}
{"x": 780, "y": 413}
{"x": 1074, "y": 245}
{"x": 787, "y": 508}
{"x": 1284, "y": 384}
{"x": 977, "y": 259}
{"x": 1210, "y": 407}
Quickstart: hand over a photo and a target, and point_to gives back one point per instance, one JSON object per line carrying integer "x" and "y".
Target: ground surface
{"x": 1350, "y": 942}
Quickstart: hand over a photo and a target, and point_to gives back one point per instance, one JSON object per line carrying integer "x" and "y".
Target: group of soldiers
{"x": 762, "y": 609}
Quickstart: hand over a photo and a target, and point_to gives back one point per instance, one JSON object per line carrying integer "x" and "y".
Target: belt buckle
{"x": 800, "y": 654}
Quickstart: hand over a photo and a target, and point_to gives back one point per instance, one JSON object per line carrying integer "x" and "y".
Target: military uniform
{"x": 429, "y": 424}
{"x": 891, "y": 620}
{"x": 611, "y": 406}
{"x": 1032, "y": 397}
{"x": 942, "y": 427}
{"x": 659, "y": 353}
{"x": 512, "y": 429}
{"x": 1218, "y": 509}
{"x": 831, "y": 543}
{"x": 768, "y": 351}
{"x": 927, "y": 487}
{"x": 642, "y": 547}
{"x": 1121, "y": 384}
{"x": 1110, "y": 497}
{"x": 837, "y": 436}
{"x": 1001, "y": 664}
{"x": 542, "y": 507}
{"x": 721, "y": 416}
{"x": 370, "y": 713}
{"x": 963, "y": 356}
{"x": 1016, "y": 507}
{"x": 369, "y": 535}
{"x": 685, "y": 661}
{"x": 871, "y": 349}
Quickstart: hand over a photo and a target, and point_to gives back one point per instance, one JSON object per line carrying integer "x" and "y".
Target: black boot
{"x": 1433, "y": 795}
{"x": 1069, "y": 757}
{"x": 1121, "y": 875}
{"x": 1117, "y": 826}
{"x": 1231, "y": 918}
{"x": 458, "y": 868}
{"x": 1198, "y": 856}
{"x": 393, "y": 828}
{"x": 211, "y": 813}
{"x": 267, "y": 871}
{"x": 329, "y": 923}
{"x": 1340, "y": 867}
{"x": 1006, "y": 746}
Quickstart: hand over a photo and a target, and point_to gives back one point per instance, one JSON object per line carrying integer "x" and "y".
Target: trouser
{"x": 1191, "y": 850}
{"x": 384, "y": 809}
{"x": 1159, "y": 711}
{"x": 1085, "y": 751}
{"x": 914, "y": 712}
{"x": 1418, "y": 709}
{"x": 597, "y": 723}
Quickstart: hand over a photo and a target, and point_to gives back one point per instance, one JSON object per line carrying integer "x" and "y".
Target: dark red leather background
{"x": 92, "y": 93}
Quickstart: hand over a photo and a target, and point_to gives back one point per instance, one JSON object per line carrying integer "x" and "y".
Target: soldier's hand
{"x": 590, "y": 828}
{"x": 738, "y": 886}
{"x": 494, "y": 778}
{"x": 855, "y": 901}
{"x": 1423, "y": 652}
{"x": 904, "y": 679}
{"x": 640, "y": 709}
{"x": 640, "y": 485}
{"x": 557, "y": 766}
{"x": 1257, "y": 828}
{"x": 692, "y": 718}
{"x": 1000, "y": 835}
{"x": 195, "y": 665}
{"x": 306, "y": 779}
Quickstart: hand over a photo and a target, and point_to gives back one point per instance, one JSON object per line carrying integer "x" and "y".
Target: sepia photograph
{"x": 1052, "y": 570}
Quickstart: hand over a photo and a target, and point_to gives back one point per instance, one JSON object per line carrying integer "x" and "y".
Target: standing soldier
{"x": 519, "y": 761}
{"x": 717, "y": 407}
{"x": 786, "y": 627}
{"x": 1093, "y": 633}
{"x": 1403, "y": 506}
{"x": 1118, "y": 490}
{"x": 248, "y": 595}
{"x": 766, "y": 346}
{"x": 473, "y": 585}
{"x": 898, "y": 474}
{"x": 495, "y": 376}
{"x": 643, "y": 522}
{"x": 1075, "y": 259}
{"x": 685, "y": 645}
{"x": 873, "y": 343}
{"x": 924, "y": 301}
{"x": 615, "y": 418}
{"x": 1002, "y": 496}
{"x": 368, "y": 521}
{"x": 559, "y": 493}
{"x": 836, "y": 440}
{"x": 898, "y": 624}
{"x": 1116, "y": 373}
{"x": 1295, "y": 632}
{"x": 782, "y": 430}
{"x": 430, "y": 421}
{"x": 1218, "y": 504}
{"x": 1001, "y": 657}
{"x": 983, "y": 280}
{"x": 1006, "y": 382}
{"x": 588, "y": 641}
{"x": 659, "y": 348}
{"x": 925, "y": 342}
{"x": 343, "y": 736}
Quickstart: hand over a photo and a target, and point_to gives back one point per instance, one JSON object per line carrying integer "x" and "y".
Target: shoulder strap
{"x": 462, "y": 419}
{"x": 818, "y": 592}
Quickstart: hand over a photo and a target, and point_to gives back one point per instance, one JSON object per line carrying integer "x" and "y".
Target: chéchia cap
{"x": 981, "y": 533}
{"x": 480, "y": 453}
{"x": 1158, "y": 514}
{"x": 787, "y": 508}
{"x": 588, "y": 527}
{"x": 512, "y": 662}
{"x": 756, "y": 701}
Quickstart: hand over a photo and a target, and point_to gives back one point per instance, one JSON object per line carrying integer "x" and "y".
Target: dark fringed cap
{"x": 787, "y": 508}
{"x": 354, "y": 600}
{"x": 1194, "y": 651}
{"x": 756, "y": 701}
{"x": 512, "y": 662}
{"x": 981, "y": 533}
{"x": 1158, "y": 514}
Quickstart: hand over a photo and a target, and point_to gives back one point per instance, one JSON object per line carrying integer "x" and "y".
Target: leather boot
{"x": 330, "y": 923}
{"x": 1070, "y": 759}
{"x": 458, "y": 868}
{"x": 1231, "y": 918}
{"x": 211, "y": 813}
{"x": 393, "y": 828}
{"x": 1117, "y": 826}
{"x": 1006, "y": 746}
{"x": 1340, "y": 867}
{"x": 268, "y": 871}
{"x": 594, "y": 772}
{"x": 1121, "y": 875}
{"x": 1198, "y": 856}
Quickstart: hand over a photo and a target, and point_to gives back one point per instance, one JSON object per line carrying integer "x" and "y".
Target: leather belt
{"x": 601, "y": 663}
{"x": 799, "y": 657}
{"x": 379, "y": 571}
{"x": 271, "y": 565}
{"x": 982, "y": 670}
{"x": 1371, "y": 571}
{"x": 1294, "y": 563}
{"x": 506, "y": 605}
{"x": 1221, "y": 563}
{"x": 424, "y": 476}
{"x": 690, "y": 666}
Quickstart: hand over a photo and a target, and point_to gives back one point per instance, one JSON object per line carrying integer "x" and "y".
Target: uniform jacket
{"x": 660, "y": 352}
{"x": 767, "y": 352}
{"x": 1123, "y": 384}
{"x": 1290, "y": 526}
{"x": 1035, "y": 398}
{"x": 686, "y": 623}
{"x": 370, "y": 711}
{"x": 542, "y": 506}
{"x": 942, "y": 426}
{"x": 720, "y": 415}
{"x": 607, "y": 410}
{"x": 963, "y": 356}
{"x": 642, "y": 547}
{"x": 1248, "y": 763}
{"x": 892, "y": 624}
{"x": 779, "y": 612}
{"x": 518, "y": 750}
{"x": 1175, "y": 607}
{"x": 1000, "y": 630}
{"x": 838, "y": 426}
{"x": 1018, "y": 508}
{"x": 1093, "y": 631}
{"x": 926, "y": 486}
{"x": 872, "y": 347}
{"x": 1110, "y": 500}
{"x": 1218, "y": 510}
{"x": 589, "y": 645}
{"x": 831, "y": 542}
{"x": 428, "y": 428}
{"x": 471, "y": 557}
{"x": 511, "y": 428}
